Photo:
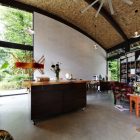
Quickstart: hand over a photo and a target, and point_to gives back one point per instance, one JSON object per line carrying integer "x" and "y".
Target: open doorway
{"x": 114, "y": 70}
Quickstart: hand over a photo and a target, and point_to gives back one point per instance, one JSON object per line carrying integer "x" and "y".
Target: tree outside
{"x": 13, "y": 28}
{"x": 14, "y": 25}
{"x": 10, "y": 76}
{"x": 114, "y": 70}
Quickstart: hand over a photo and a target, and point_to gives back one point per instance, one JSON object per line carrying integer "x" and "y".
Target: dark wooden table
{"x": 56, "y": 97}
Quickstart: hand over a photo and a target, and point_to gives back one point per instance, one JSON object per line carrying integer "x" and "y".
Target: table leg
{"x": 137, "y": 109}
{"x": 130, "y": 106}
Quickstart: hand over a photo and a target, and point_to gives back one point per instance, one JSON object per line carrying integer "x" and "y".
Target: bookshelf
{"x": 123, "y": 70}
{"x": 128, "y": 68}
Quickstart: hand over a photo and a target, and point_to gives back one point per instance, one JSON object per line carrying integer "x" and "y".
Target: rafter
{"x": 125, "y": 44}
{"x": 109, "y": 18}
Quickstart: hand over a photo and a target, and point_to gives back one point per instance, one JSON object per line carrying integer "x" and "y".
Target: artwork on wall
{"x": 35, "y": 65}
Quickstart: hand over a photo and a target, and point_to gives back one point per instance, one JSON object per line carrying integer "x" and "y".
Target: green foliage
{"x": 4, "y": 65}
{"x": 16, "y": 23}
{"x": 11, "y": 77}
{"x": 114, "y": 70}
{"x": 4, "y": 85}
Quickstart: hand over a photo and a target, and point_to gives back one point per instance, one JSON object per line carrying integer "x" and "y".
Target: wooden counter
{"x": 56, "y": 97}
{"x": 53, "y": 82}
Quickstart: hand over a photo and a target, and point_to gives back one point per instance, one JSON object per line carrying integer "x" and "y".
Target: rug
{"x": 121, "y": 108}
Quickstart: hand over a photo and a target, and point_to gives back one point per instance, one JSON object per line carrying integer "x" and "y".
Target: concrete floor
{"x": 13, "y": 92}
{"x": 99, "y": 121}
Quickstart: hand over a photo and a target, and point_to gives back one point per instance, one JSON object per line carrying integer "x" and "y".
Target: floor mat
{"x": 120, "y": 108}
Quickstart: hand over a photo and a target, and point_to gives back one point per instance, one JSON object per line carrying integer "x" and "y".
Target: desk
{"x": 136, "y": 99}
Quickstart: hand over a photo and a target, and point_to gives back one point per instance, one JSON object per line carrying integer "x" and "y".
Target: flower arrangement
{"x": 56, "y": 69}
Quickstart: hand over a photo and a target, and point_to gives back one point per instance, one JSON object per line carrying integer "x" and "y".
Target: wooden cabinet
{"x": 53, "y": 99}
{"x": 75, "y": 98}
{"x": 45, "y": 101}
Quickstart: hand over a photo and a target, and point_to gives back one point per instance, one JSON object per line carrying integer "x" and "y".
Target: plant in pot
{"x": 56, "y": 69}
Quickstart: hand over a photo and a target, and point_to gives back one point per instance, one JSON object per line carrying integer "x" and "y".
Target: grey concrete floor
{"x": 13, "y": 92}
{"x": 99, "y": 121}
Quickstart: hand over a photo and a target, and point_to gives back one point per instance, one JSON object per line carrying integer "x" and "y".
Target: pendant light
{"x": 136, "y": 33}
{"x": 95, "y": 45}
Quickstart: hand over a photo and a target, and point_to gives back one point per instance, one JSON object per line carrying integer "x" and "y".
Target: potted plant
{"x": 56, "y": 69}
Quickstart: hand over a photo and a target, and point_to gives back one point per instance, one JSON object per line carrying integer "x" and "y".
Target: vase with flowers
{"x": 56, "y": 69}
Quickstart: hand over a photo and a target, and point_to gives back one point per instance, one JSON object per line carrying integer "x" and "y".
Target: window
{"x": 11, "y": 78}
{"x": 113, "y": 70}
{"x": 15, "y": 25}
{"x": 14, "y": 31}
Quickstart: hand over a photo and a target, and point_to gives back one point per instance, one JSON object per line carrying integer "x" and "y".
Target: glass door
{"x": 11, "y": 78}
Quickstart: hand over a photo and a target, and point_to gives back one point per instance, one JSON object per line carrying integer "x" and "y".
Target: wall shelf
{"x": 127, "y": 64}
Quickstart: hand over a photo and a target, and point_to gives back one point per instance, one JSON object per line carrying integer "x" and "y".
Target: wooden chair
{"x": 121, "y": 91}
{"x": 116, "y": 93}
{"x": 125, "y": 91}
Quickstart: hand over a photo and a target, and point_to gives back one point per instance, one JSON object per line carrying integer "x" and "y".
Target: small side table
{"x": 135, "y": 98}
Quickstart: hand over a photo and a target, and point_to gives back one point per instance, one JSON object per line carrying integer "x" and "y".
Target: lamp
{"x": 136, "y": 34}
{"x": 30, "y": 31}
{"x": 67, "y": 75}
{"x": 95, "y": 46}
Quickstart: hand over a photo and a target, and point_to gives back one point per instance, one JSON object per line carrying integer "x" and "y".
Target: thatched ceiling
{"x": 127, "y": 17}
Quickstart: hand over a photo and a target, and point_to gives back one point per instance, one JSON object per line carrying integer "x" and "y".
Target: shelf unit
{"x": 138, "y": 71}
{"x": 123, "y": 70}
{"x": 128, "y": 67}
{"x": 131, "y": 68}
{"x": 137, "y": 55}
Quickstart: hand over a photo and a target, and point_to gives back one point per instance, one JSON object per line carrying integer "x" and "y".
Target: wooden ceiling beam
{"x": 29, "y": 8}
{"x": 109, "y": 18}
{"x": 125, "y": 44}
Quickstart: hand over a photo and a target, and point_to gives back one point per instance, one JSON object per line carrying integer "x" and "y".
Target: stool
{"x": 136, "y": 100}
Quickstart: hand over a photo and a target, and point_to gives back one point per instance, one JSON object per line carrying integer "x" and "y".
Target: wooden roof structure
{"x": 107, "y": 30}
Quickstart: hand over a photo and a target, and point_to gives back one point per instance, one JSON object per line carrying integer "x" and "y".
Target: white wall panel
{"x": 60, "y": 43}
